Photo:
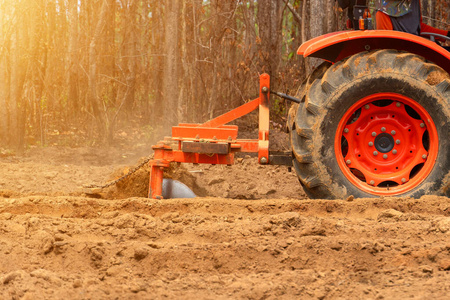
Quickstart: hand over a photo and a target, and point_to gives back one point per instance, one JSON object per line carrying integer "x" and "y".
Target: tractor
{"x": 372, "y": 120}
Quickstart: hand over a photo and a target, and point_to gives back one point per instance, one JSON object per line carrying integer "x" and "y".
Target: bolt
{"x": 375, "y": 153}
{"x": 422, "y": 125}
{"x": 374, "y": 133}
{"x": 367, "y": 106}
{"x": 265, "y": 89}
{"x": 385, "y": 156}
{"x": 403, "y": 180}
{"x": 424, "y": 156}
{"x": 394, "y": 151}
{"x": 348, "y": 161}
{"x": 398, "y": 104}
{"x": 370, "y": 144}
{"x": 263, "y": 160}
{"x": 397, "y": 142}
{"x": 372, "y": 182}
{"x": 383, "y": 129}
{"x": 393, "y": 132}
{"x": 346, "y": 130}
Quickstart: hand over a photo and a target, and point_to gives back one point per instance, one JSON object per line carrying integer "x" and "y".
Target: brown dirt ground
{"x": 252, "y": 235}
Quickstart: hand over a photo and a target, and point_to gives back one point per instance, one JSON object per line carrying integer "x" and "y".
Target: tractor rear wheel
{"x": 375, "y": 124}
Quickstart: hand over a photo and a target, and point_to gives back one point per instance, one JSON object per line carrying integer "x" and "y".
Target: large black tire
{"x": 313, "y": 124}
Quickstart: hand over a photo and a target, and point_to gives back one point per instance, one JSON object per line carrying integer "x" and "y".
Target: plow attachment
{"x": 214, "y": 142}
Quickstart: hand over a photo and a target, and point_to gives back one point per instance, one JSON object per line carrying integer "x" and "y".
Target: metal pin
{"x": 383, "y": 129}
{"x": 367, "y": 106}
{"x": 370, "y": 144}
{"x": 374, "y": 133}
{"x": 385, "y": 156}
{"x": 372, "y": 182}
{"x": 397, "y": 142}
{"x": 398, "y": 104}
{"x": 422, "y": 125}
{"x": 394, "y": 151}
{"x": 403, "y": 180}
{"x": 348, "y": 161}
{"x": 375, "y": 153}
{"x": 393, "y": 132}
{"x": 424, "y": 156}
{"x": 346, "y": 130}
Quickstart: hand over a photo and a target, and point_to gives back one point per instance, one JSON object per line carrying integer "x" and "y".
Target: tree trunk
{"x": 72, "y": 78}
{"x": 4, "y": 83}
{"x": 269, "y": 22}
{"x": 129, "y": 55}
{"x": 18, "y": 67}
{"x": 170, "y": 91}
{"x": 314, "y": 24}
{"x": 94, "y": 100}
{"x": 157, "y": 64}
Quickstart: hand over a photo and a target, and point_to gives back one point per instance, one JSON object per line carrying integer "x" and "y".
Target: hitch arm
{"x": 287, "y": 97}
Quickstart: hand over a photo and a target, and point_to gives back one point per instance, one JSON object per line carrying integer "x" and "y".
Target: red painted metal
{"x": 233, "y": 114}
{"x": 212, "y": 132}
{"x": 263, "y": 143}
{"x": 336, "y": 46}
{"x": 390, "y": 171}
{"x": 197, "y": 131}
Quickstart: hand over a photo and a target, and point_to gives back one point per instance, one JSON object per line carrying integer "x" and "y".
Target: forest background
{"x": 88, "y": 71}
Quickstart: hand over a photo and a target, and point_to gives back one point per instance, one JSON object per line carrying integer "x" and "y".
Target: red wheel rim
{"x": 386, "y": 144}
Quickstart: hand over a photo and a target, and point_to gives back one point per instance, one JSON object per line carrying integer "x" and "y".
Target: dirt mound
{"x": 136, "y": 185}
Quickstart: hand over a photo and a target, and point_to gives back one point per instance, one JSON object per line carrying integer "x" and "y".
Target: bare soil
{"x": 252, "y": 234}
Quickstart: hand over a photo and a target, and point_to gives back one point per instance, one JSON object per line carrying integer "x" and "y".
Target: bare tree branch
{"x": 294, "y": 13}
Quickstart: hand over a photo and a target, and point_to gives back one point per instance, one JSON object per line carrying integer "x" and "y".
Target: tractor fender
{"x": 336, "y": 46}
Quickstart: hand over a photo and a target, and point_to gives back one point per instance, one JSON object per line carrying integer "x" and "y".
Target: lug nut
{"x": 367, "y": 106}
{"x": 398, "y": 104}
{"x": 372, "y": 182}
{"x": 383, "y": 129}
{"x": 348, "y": 161}
{"x": 397, "y": 142}
{"x": 370, "y": 144}
{"x": 403, "y": 180}
{"x": 393, "y": 132}
{"x": 375, "y": 153}
{"x": 385, "y": 156}
{"x": 394, "y": 151}
{"x": 422, "y": 125}
{"x": 424, "y": 156}
{"x": 374, "y": 133}
{"x": 346, "y": 130}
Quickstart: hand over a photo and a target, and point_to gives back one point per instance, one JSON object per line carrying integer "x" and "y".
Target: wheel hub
{"x": 384, "y": 143}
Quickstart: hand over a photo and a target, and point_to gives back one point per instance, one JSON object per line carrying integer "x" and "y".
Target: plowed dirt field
{"x": 252, "y": 235}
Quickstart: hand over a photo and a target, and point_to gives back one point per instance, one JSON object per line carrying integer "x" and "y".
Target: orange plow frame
{"x": 212, "y": 142}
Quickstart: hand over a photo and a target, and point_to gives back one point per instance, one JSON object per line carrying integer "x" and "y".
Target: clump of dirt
{"x": 137, "y": 184}
{"x": 436, "y": 77}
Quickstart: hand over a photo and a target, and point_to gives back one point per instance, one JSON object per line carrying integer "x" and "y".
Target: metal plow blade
{"x": 175, "y": 189}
